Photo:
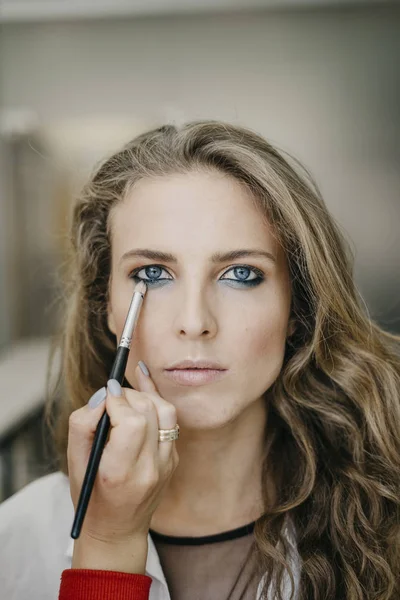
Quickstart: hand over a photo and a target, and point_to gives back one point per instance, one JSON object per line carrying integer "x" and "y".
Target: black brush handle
{"x": 100, "y": 438}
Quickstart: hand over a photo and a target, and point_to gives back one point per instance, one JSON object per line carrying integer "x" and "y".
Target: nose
{"x": 195, "y": 313}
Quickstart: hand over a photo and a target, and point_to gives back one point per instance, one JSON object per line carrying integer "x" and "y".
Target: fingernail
{"x": 143, "y": 368}
{"x": 97, "y": 397}
{"x": 114, "y": 387}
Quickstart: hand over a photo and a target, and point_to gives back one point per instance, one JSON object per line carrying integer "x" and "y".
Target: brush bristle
{"x": 141, "y": 287}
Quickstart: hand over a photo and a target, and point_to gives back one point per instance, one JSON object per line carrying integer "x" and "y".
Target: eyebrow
{"x": 217, "y": 257}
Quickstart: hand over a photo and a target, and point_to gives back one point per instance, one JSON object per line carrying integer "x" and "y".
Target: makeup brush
{"x": 118, "y": 373}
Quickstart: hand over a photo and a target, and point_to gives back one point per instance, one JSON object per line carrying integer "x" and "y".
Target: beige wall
{"x": 4, "y": 304}
{"x": 324, "y": 85}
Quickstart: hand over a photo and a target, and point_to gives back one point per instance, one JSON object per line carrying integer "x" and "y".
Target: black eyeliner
{"x": 249, "y": 283}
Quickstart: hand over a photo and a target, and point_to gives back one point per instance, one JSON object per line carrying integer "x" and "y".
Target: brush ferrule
{"x": 131, "y": 319}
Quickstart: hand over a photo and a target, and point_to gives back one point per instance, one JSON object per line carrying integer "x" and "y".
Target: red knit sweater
{"x": 88, "y": 584}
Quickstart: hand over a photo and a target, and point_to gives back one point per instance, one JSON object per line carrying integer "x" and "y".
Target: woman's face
{"x": 199, "y": 305}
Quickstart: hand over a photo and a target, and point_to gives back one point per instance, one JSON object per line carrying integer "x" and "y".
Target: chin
{"x": 197, "y": 423}
{"x": 203, "y": 413}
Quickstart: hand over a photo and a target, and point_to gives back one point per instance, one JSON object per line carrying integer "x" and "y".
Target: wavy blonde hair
{"x": 333, "y": 433}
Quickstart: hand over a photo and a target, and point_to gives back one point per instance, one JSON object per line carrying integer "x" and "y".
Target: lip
{"x": 195, "y": 376}
{"x": 197, "y": 364}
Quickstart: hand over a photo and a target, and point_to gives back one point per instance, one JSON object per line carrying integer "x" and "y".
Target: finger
{"x": 145, "y": 382}
{"x": 143, "y": 404}
{"x": 166, "y": 412}
{"x": 128, "y": 432}
{"x": 117, "y": 406}
{"x": 82, "y": 428}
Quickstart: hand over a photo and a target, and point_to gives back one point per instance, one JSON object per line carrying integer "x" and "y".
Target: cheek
{"x": 151, "y": 329}
{"x": 263, "y": 342}
{"x": 151, "y": 317}
{"x": 262, "y": 345}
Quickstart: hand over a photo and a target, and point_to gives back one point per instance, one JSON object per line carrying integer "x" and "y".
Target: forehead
{"x": 191, "y": 212}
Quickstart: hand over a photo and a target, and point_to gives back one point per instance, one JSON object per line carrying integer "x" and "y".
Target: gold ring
{"x": 168, "y": 435}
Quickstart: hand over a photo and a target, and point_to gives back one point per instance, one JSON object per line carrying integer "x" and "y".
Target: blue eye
{"x": 152, "y": 273}
{"x": 242, "y": 273}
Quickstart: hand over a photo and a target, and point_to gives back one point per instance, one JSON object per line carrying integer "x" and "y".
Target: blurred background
{"x": 318, "y": 78}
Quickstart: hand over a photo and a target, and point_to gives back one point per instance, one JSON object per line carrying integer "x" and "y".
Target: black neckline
{"x": 205, "y": 539}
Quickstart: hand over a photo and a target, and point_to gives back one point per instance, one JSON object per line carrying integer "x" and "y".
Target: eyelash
{"x": 249, "y": 283}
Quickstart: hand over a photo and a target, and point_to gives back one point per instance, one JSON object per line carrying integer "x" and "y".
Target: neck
{"x": 217, "y": 484}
